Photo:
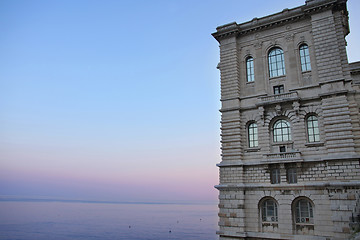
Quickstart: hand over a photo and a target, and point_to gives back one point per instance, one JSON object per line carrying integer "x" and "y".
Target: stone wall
{"x": 327, "y": 170}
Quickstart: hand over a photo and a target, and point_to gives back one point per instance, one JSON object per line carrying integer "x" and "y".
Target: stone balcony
{"x": 277, "y": 98}
{"x": 281, "y": 157}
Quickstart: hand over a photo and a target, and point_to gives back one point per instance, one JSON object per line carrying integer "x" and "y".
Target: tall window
{"x": 304, "y": 212}
{"x": 250, "y": 69}
{"x": 269, "y": 211}
{"x": 276, "y": 62}
{"x": 253, "y": 135}
{"x": 275, "y": 176}
{"x": 305, "y": 58}
{"x": 281, "y": 131}
{"x": 313, "y": 129}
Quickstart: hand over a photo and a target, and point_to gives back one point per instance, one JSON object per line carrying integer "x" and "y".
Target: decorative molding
{"x": 281, "y": 18}
{"x": 258, "y": 45}
{"x": 296, "y": 108}
{"x": 289, "y": 37}
{"x": 278, "y": 109}
{"x": 261, "y": 114}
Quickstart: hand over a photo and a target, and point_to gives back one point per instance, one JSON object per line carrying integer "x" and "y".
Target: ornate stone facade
{"x": 290, "y": 126}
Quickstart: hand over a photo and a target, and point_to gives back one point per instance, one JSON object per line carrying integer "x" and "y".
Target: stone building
{"x": 290, "y": 126}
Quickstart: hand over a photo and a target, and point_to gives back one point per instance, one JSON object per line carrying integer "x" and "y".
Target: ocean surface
{"x": 55, "y": 220}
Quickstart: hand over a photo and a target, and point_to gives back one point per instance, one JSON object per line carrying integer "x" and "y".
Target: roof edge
{"x": 285, "y": 16}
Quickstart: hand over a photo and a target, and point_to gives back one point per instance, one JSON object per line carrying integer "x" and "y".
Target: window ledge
{"x": 305, "y": 224}
{"x": 277, "y": 77}
{"x": 254, "y": 149}
{"x": 282, "y": 143}
{"x": 314, "y": 144}
{"x": 271, "y": 223}
{"x": 305, "y": 72}
{"x": 250, "y": 83}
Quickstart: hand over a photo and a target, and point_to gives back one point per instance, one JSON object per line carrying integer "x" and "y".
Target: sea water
{"x": 55, "y": 220}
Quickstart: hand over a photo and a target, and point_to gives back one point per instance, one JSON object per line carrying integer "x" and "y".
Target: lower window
{"x": 304, "y": 212}
{"x": 275, "y": 175}
{"x": 269, "y": 211}
{"x": 291, "y": 175}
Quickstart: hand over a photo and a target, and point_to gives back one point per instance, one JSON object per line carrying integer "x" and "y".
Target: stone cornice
{"x": 353, "y": 157}
{"x": 286, "y": 186}
{"x": 285, "y": 100}
{"x": 286, "y": 16}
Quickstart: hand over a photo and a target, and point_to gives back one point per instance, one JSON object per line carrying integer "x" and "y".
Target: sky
{"x": 117, "y": 100}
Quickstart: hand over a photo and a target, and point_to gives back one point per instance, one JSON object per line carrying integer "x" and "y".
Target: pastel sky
{"x": 117, "y": 100}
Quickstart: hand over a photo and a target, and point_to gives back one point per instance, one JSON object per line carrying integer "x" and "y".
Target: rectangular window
{"x": 250, "y": 69}
{"x": 279, "y": 89}
{"x": 275, "y": 175}
{"x": 282, "y": 149}
{"x": 305, "y": 58}
{"x": 291, "y": 175}
{"x": 313, "y": 129}
{"x": 253, "y": 135}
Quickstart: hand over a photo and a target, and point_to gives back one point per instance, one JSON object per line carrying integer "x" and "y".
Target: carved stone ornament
{"x": 296, "y": 108}
{"x": 258, "y": 45}
{"x": 261, "y": 112}
{"x": 289, "y": 37}
{"x": 278, "y": 109}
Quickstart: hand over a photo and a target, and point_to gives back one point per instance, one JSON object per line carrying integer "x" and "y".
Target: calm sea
{"x": 27, "y": 220}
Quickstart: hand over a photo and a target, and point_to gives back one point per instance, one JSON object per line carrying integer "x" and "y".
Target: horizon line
{"x": 5, "y": 198}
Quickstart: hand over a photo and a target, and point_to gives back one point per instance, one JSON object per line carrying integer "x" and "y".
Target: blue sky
{"x": 117, "y": 100}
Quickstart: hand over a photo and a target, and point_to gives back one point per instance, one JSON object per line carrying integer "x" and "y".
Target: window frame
{"x": 276, "y": 62}
{"x": 252, "y": 135}
{"x": 250, "y": 70}
{"x": 275, "y": 176}
{"x": 312, "y": 129}
{"x": 281, "y": 134}
{"x": 303, "y": 210}
{"x": 278, "y": 89}
{"x": 304, "y": 54}
{"x": 267, "y": 206}
{"x": 291, "y": 175}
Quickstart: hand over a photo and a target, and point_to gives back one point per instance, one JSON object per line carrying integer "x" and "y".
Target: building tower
{"x": 290, "y": 126}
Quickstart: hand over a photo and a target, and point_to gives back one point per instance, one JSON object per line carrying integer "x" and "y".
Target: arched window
{"x": 249, "y": 69}
{"x": 313, "y": 129}
{"x": 303, "y": 210}
{"x": 304, "y": 58}
{"x": 281, "y": 131}
{"x": 269, "y": 212}
{"x": 276, "y": 62}
{"x": 253, "y": 135}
